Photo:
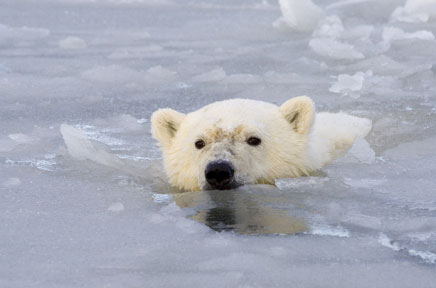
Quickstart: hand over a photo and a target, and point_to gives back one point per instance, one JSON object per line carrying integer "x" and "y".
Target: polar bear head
{"x": 234, "y": 142}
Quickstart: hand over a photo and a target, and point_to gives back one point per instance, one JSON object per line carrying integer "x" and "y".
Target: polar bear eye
{"x": 254, "y": 141}
{"x": 199, "y": 144}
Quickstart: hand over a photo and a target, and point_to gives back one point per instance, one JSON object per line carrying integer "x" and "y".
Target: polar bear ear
{"x": 164, "y": 125}
{"x": 299, "y": 111}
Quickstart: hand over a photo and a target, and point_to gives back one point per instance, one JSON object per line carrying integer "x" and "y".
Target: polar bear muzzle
{"x": 220, "y": 175}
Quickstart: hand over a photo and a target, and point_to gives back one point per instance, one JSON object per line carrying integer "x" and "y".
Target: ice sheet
{"x": 84, "y": 200}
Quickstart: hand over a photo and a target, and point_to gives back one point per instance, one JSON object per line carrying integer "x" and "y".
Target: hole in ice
{"x": 293, "y": 207}
{"x": 252, "y": 210}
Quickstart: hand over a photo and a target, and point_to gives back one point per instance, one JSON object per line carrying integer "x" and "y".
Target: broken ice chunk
{"x": 162, "y": 198}
{"x": 303, "y": 182}
{"x": 360, "y": 32}
{"x": 95, "y": 134}
{"x": 360, "y": 152}
{"x": 214, "y": 75}
{"x": 280, "y": 24}
{"x": 159, "y": 75}
{"x": 329, "y": 36}
{"x": 21, "y": 138}
{"x": 325, "y": 230}
{"x": 350, "y": 83}
{"x": 116, "y": 207}
{"x": 300, "y": 15}
{"x": 72, "y": 43}
{"x": 334, "y": 49}
{"x": 80, "y": 148}
{"x": 331, "y": 27}
{"x": 415, "y": 11}
{"x": 426, "y": 256}
{"x": 333, "y": 134}
{"x": 364, "y": 182}
{"x": 394, "y": 33}
{"x": 384, "y": 240}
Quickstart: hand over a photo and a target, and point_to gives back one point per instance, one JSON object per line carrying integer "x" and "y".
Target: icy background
{"x": 83, "y": 202}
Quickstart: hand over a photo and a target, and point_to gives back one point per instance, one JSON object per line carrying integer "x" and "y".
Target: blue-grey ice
{"x": 83, "y": 198}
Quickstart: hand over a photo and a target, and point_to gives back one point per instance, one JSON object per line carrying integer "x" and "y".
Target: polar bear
{"x": 239, "y": 141}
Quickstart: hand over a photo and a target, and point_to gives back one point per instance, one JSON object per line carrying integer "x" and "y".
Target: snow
{"x": 84, "y": 200}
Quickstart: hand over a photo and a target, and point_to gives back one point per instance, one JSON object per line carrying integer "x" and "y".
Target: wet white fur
{"x": 295, "y": 140}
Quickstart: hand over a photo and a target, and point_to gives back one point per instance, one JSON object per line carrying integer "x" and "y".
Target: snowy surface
{"x": 84, "y": 203}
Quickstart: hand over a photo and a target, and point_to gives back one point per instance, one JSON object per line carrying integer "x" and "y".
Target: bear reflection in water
{"x": 244, "y": 210}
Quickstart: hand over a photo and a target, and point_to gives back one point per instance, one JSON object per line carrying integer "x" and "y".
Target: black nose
{"x": 219, "y": 174}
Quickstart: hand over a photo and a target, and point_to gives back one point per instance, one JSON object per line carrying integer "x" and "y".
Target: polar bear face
{"x": 234, "y": 142}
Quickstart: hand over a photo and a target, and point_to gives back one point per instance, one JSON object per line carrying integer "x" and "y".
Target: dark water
{"x": 254, "y": 210}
